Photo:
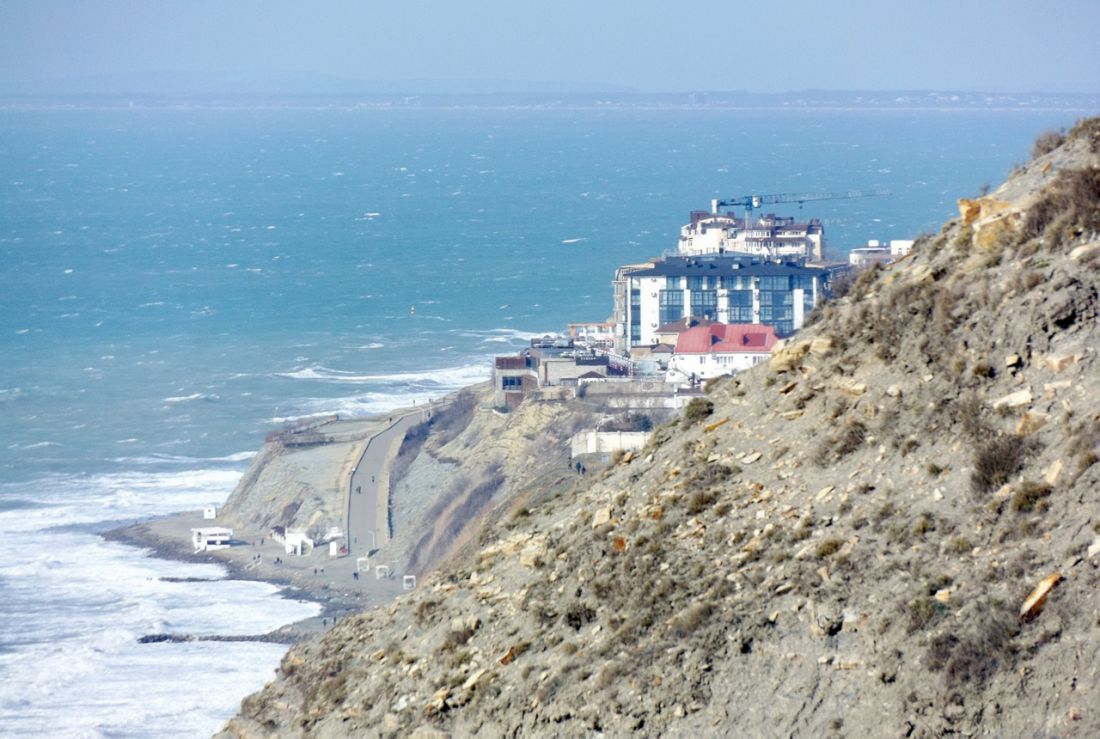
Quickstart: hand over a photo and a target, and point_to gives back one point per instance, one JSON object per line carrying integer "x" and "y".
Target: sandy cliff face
{"x": 477, "y": 466}
{"x": 299, "y": 486}
{"x": 838, "y": 543}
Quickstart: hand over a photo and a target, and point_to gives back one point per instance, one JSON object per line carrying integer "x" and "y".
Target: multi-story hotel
{"x": 730, "y": 288}
{"x": 770, "y": 236}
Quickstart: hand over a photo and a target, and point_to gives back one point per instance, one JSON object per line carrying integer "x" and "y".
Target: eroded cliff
{"x": 840, "y": 542}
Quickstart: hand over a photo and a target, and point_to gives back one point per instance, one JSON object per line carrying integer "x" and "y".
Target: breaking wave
{"x": 448, "y": 377}
{"x": 192, "y": 396}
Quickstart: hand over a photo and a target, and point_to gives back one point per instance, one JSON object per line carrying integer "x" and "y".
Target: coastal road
{"x": 369, "y": 486}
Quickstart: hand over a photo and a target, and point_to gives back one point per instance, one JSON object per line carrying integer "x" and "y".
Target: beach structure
{"x": 209, "y": 513}
{"x": 211, "y": 537}
{"x": 298, "y": 544}
{"x": 728, "y": 288}
{"x": 294, "y": 542}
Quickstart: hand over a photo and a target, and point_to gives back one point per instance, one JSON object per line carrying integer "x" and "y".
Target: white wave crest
{"x": 184, "y": 459}
{"x": 446, "y": 377}
{"x": 192, "y": 396}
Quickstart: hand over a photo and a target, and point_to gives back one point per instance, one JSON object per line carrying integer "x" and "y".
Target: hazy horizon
{"x": 117, "y": 46}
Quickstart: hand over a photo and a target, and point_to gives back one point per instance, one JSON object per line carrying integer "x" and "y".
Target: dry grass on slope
{"x": 837, "y": 543}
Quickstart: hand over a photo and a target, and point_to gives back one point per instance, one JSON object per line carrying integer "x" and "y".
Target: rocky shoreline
{"x": 150, "y": 536}
{"x": 277, "y": 480}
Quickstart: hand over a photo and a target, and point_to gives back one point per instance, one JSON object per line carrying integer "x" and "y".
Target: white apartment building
{"x": 769, "y": 237}
{"x": 721, "y": 287}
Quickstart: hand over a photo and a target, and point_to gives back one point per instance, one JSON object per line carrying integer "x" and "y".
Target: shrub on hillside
{"x": 628, "y": 422}
{"x": 977, "y": 655}
{"x": 1030, "y": 495}
{"x": 449, "y": 421}
{"x": 997, "y": 460}
{"x": 850, "y": 438}
{"x": 1068, "y": 209}
{"x": 1047, "y": 142}
{"x": 1088, "y": 129}
{"x": 698, "y": 409}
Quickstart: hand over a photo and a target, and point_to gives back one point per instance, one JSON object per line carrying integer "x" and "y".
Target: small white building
{"x": 606, "y": 442}
{"x": 209, "y": 513}
{"x": 211, "y": 537}
{"x": 297, "y": 543}
{"x": 878, "y": 253}
{"x": 901, "y": 247}
{"x": 719, "y": 349}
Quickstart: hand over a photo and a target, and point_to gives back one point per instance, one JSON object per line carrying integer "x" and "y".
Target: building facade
{"x": 878, "y": 253}
{"x": 703, "y": 352}
{"x": 720, "y": 287}
{"x": 769, "y": 237}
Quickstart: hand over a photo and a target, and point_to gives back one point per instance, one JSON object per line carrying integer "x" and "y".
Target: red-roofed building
{"x": 720, "y": 349}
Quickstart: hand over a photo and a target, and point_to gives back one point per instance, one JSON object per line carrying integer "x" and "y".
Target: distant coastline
{"x": 811, "y": 100}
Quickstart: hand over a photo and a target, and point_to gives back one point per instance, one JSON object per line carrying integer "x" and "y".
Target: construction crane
{"x": 752, "y": 202}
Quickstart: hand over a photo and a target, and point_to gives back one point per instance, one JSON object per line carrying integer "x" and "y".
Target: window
{"x": 806, "y": 283}
{"x": 511, "y": 382}
{"x": 672, "y": 283}
{"x": 704, "y": 297}
{"x": 704, "y": 304}
{"x": 775, "y": 282}
{"x": 775, "y": 297}
{"x": 671, "y": 297}
{"x": 774, "y": 314}
{"x": 741, "y": 314}
{"x": 740, "y": 298}
{"x": 671, "y": 306}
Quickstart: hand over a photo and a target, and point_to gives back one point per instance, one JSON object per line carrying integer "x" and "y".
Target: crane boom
{"x": 751, "y": 202}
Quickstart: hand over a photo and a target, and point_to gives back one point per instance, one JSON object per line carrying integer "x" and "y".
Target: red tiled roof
{"x": 727, "y": 338}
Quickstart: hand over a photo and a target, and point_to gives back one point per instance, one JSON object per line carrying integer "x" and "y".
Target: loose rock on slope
{"x": 848, "y": 553}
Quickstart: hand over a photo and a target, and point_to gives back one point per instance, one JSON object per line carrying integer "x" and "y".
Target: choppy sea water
{"x": 175, "y": 283}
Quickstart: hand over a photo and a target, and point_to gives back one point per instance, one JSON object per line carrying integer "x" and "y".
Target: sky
{"x": 645, "y": 45}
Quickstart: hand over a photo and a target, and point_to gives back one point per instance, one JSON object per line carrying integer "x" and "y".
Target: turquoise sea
{"x": 177, "y": 282}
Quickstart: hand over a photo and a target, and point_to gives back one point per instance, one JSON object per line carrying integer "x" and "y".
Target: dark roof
{"x": 684, "y": 324}
{"x": 722, "y": 266}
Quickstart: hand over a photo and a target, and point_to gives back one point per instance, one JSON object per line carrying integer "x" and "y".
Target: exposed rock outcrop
{"x": 851, "y": 552}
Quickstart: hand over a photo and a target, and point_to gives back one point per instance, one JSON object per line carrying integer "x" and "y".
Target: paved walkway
{"x": 369, "y": 486}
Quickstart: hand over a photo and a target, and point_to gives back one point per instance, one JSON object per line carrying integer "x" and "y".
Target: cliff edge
{"x": 891, "y": 529}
